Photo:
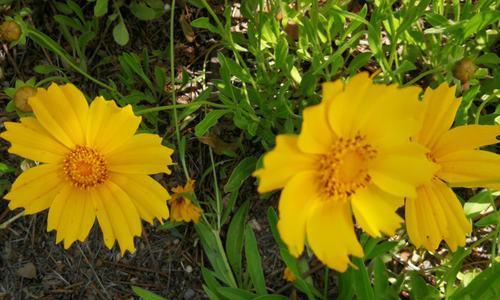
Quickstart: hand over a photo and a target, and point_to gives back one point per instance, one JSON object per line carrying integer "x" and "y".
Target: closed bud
{"x": 10, "y": 31}
{"x": 21, "y": 98}
{"x": 464, "y": 69}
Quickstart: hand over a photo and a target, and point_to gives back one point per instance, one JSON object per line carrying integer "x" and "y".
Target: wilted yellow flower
{"x": 21, "y": 98}
{"x": 436, "y": 214}
{"x": 10, "y": 31}
{"x": 288, "y": 275}
{"x": 353, "y": 156}
{"x": 181, "y": 208}
{"x": 93, "y": 165}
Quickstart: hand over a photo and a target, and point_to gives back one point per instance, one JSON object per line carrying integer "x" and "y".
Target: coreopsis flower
{"x": 436, "y": 214}
{"x": 288, "y": 275}
{"x": 92, "y": 165}
{"x": 181, "y": 208}
{"x": 352, "y": 156}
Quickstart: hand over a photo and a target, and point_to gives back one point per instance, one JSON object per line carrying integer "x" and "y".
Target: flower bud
{"x": 21, "y": 98}
{"x": 464, "y": 69}
{"x": 10, "y": 31}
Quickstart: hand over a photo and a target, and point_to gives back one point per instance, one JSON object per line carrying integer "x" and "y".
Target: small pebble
{"x": 189, "y": 294}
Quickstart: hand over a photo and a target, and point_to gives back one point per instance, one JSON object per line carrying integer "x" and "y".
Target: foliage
{"x": 266, "y": 75}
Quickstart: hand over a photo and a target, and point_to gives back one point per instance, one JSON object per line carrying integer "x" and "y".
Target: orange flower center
{"x": 344, "y": 169}
{"x": 84, "y": 167}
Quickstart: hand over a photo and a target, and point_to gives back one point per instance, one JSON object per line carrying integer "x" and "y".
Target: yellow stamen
{"x": 343, "y": 170}
{"x": 84, "y": 167}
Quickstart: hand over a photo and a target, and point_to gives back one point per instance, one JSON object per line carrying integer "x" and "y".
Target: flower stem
{"x": 6, "y": 223}
{"x": 174, "y": 98}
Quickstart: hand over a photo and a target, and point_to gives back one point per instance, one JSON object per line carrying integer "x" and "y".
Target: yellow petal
{"x": 467, "y": 137}
{"x": 35, "y": 189}
{"x": 470, "y": 168}
{"x": 343, "y": 107}
{"x": 30, "y": 140}
{"x": 58, "y": 213}
{"x": 375, "y": 211}
{"x": 62, "y": 111}
{"x": 436, "y": 214}
{"x": 331, "y": 89}
{"x": 439, "y": 109}
{"x": 400, "y": 170}
{"x": 104, "y": 219}
{"x": 389, "y": 112}
{"x": 78, "y": 217}
{"x": 142, "y": 154}
{"x": 458, "y": 225}
{"x": 330, "y": 233}
{"x": 148, "y": 195}
{"x": 316, "y": 135}
{"x": 297, "y": 198}
{"x": 109, "y": 126}
{"x": 431, "y": 233}
{"x": 88, "y": 217}
{"x": 281, "y": 163}
{"x": 121, "y": 214}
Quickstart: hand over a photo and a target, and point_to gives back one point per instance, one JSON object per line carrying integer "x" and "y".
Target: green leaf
{"x": 359, "y": 61}
{"x": 45, "y": 69}
{"x": 281, "y": 53}
{"x": 120, "y": 33}
{"x": 405, "y": 67}
{"x": 486, "y": 285}
{"x": 209, "y": 121}
{"x": 235, "y": 294}
{"x": 6, "y": 169}
{"x": 361, "y": 280}
{"x": 100, "y": 8}
{"x": 451, "y": 272}
{"x": 379, "y": 249}
{"x": 479, "y": 21}
{"x": 234, "y": 68}
{"x": 235, "y": 236}
{"x": 488, "y": 58}
{"x": 242, "y": 171}
{"x": 380, "y": 279}
{"x": 492, "y": 219}
{"x": 204, "y": 23}
{"x": 419, "y": 289}
{"x": 144, "y": 12}
{"x": 145, "y": 294}
{"x": 212, "y": 245}
{"x": 254, "y": 262}
{"x": 346, "y": 285}
{"x": 271, "y": 297}
{"x": 478, "y": 203}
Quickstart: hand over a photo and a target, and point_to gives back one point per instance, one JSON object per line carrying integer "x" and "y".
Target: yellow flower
{"x": 435, "y": 214}
{"x": 353, "y": 156}
{"x": 93, "y": 166}
{"x": 288, "y": 275}
{"x": 181, "y": 208}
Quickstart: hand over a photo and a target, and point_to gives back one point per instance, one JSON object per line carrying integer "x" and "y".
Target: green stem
{"x": 420, "y": 76}
{"x": 48, "y": 43}
{"x": 175, "y": 106}
{"x": 6, "y": 223}
{"x": 174, "y": 98}
{"x": 218, "y": 199}
{"x": 481, "y": 107}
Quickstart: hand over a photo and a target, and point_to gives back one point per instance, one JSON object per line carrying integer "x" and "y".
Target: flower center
{"x": 344, "y": 169}
{"x": 85, "y": 167}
